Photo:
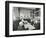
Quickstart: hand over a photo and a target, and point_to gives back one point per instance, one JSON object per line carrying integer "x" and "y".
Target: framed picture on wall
{"x": 24, "y": 18}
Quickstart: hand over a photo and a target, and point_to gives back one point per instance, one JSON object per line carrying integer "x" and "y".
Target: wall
{"x": 2, "y": 19}
{"x": 24, "y": 12}
{"x": 15, "y": 13}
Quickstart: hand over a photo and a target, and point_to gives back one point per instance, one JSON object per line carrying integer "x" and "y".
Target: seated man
{"x": 21, "y": 25}
{"x": 28, "y": 25}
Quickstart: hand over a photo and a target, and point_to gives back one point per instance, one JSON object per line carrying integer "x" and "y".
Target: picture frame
{"x": 9, "y": 32}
